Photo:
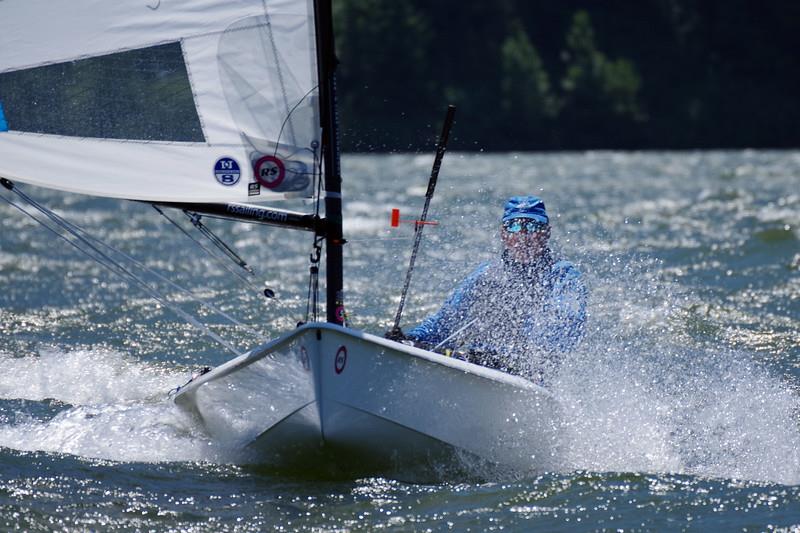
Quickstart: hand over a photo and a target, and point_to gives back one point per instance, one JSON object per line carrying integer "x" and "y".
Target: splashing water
{"x": 645, "y": 392}
{"x": 682, "y": 392}
{"x": 98, "y": 404}
{"x": 84, "y": 376}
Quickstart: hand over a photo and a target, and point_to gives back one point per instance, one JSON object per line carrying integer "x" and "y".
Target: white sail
{"x": 160, "y": 100}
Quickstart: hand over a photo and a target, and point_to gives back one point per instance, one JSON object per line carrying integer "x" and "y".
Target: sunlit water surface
{"x": 681, "y": 403}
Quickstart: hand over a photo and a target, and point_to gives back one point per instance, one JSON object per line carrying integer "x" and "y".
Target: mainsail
{"x": 179, "y": 101}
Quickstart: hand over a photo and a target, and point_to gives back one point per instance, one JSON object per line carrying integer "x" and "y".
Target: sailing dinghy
{"x": 223, "y": 108}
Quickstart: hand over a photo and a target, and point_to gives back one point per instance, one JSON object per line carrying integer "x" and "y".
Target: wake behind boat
{"x": 337, "y": 400}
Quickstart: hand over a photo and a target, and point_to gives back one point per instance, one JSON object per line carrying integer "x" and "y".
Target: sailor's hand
{"x": 484, "y": 355}
{"x": 395, "y": 334}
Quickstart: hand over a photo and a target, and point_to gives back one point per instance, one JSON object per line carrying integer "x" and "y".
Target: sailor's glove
{"x": 395, "y": 334}
{"x": 485, "y": 356}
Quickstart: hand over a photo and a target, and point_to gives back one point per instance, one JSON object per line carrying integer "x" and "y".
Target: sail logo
{"x": 270, "y": 171}
{"x": 227, "y": 171}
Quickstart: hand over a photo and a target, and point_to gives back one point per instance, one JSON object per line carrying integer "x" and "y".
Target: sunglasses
{"x": 524, "y": 225}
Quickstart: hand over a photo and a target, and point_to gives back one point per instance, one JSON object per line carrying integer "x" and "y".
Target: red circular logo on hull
{"x": 340, "y": 360}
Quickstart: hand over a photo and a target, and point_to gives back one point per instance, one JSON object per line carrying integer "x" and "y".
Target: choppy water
{"x": 682, "y": 400}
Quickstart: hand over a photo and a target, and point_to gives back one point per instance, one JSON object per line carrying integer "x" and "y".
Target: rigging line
{"x": 315, "y": 293}
{"x": 244, "y": 327}
{"x": 455, "y": 334}
{"x": 233, "y": 271}
{"x": 247, "y": 282}
{"x": 286, "y": 120}
{"x": 69, "y": 241}
{"x": 219, "y": 243}
{"x": 210, "y": 306}
{"x": 114, "y": 266}
{"x": 312, "y": 301}
{"x": 119, "y": 269}
{"x": 441, "y": 147}
{"x": 313, "y": 279}
{"x": 312, "y": 293}
{"x": 166, "y": 280}
{"x": 318, "y": 177}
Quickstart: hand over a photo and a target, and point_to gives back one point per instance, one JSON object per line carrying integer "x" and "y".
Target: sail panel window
{"x": 140, "y": 94}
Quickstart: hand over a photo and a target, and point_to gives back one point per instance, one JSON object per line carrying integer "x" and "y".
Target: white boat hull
{"x": 328, "y": 397}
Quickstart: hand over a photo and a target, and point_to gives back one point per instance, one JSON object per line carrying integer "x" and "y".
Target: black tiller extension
{"x": 420, "y": 224}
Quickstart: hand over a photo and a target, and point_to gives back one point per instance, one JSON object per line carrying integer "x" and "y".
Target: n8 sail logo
{"x": 227, "y": 171}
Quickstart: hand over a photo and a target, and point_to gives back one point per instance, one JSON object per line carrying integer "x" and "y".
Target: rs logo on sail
{"x": 270, "y": 171}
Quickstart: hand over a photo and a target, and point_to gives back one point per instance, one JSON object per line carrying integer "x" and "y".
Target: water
{"x": 682, "y": 400}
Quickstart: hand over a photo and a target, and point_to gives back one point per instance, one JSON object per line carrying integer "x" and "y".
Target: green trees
{"x": 385, "y": 70}
{"x": 569, "y": 74}
{"x": 525, "y": 88}
{"x": 600, "y": 97}
{"x": 401, "y": 62}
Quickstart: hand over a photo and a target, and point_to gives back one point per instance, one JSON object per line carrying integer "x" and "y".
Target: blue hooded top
{"x": 527, "y": 314}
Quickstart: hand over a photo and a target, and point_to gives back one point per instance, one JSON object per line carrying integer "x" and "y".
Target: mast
{"x": 326, "y": 65}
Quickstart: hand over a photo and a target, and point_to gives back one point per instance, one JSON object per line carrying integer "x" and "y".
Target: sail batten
{"x": 180, "y": 101}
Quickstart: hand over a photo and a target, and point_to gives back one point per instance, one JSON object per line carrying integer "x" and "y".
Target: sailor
{"x": 519, "y": 312}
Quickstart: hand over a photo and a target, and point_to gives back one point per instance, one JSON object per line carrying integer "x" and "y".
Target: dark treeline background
{"x": 569, "y": 75}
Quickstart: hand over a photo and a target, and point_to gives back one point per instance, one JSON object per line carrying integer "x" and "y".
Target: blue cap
{"x": 525, "y": 207}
